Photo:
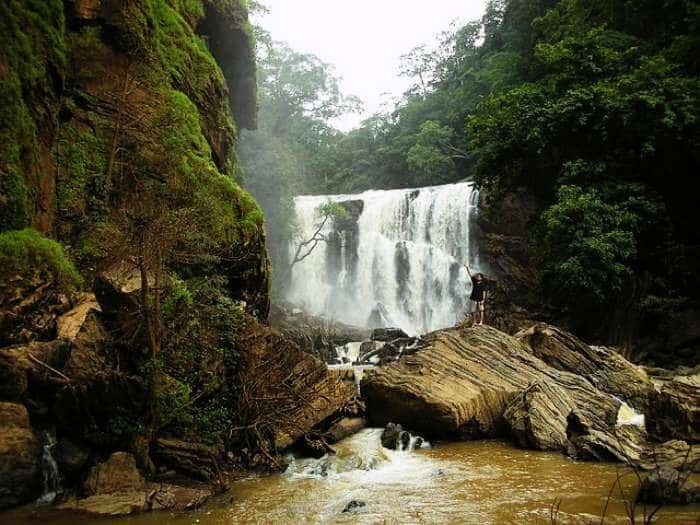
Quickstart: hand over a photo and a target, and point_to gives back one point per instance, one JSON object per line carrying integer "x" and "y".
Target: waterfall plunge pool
{"x": 479, "y": 482}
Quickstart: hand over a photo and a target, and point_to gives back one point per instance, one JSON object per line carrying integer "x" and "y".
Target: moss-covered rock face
{"x": 103, "y": 100}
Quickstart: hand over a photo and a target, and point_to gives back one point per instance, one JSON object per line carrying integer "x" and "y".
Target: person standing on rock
{"x": 477, "y": 300}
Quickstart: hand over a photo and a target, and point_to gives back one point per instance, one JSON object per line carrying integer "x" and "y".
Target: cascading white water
{"x": 397, "y": 262}
{"x": 49, "y": 472}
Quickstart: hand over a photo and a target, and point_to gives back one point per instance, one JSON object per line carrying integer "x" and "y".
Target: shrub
{"x": 24, "y": 251}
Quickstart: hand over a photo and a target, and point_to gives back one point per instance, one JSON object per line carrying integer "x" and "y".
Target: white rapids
{"x": 398, "y": 261}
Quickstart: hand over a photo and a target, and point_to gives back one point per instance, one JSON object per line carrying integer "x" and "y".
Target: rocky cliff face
{"x": 104, "y": 100}
{"x": 129, "y": 254}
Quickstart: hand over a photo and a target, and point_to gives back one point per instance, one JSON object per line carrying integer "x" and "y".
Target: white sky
{"x": 364, "y": 39}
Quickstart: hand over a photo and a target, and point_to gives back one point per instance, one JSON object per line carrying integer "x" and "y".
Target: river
{"x": 479, "y": 482}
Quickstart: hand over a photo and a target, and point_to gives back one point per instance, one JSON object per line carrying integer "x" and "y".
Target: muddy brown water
{"x": 484, "y": 482}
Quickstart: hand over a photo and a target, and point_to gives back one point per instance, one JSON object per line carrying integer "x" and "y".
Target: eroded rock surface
{"x": 480, "y": 382}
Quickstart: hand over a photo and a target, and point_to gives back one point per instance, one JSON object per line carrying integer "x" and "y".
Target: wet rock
{"x": 104, "y": 505}
{"x": 344, "y": 428}
{"x": 675, "y": 411}
{"x": 313, "y": 446}
{"x": 192, "y": 459}
{"x": 395, "y": 437}
{"x": 354, "y": 506}
{"x": 388, "y": 334}
{"x": 117, "y": 474}
{"x": 176, "y": 498}
{"x": 19, "y": 457}
{"x": 466, "y": 383}
{"x": 149, "y": 498}
{"x": 668, "y": 486}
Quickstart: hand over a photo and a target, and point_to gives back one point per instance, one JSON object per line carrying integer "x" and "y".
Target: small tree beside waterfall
{"x": 304, "y": 246}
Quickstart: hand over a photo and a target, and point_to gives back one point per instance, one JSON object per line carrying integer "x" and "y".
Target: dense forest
{"x": 589, "y": 108}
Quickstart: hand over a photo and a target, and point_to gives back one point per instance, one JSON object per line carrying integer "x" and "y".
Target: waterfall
{"x": 396, "y": 261}
{"x": 49, "y": 472}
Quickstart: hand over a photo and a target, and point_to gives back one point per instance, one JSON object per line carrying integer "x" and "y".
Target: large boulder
{"x": 285, "y": 392}
{"x": 480, "y": 382}
{"x": 668, "y": 486}
{"x": 117, "y": 474}
{"x": 675, "y": 413}
{"x": 606, "y": 369}
{"x": 20, "y": 451}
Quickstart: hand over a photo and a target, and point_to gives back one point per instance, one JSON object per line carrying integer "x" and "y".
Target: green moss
{"x": 27, "y": 250}
{"x": 81, "y": 162}
{"x": 32, "y": 61}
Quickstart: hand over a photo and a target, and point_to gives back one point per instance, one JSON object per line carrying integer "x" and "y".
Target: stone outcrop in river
{"x": 545, "y": 389}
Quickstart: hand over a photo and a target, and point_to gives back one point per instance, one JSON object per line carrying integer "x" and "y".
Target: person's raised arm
{"x": 469, "y": 272}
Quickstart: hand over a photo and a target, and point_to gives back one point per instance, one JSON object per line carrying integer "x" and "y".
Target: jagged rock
{"x": 346, "y": 427}
{"x": 29, "y": 307}
{"x": 388, "y": 334}
{"x": 294, "y": 392}
{"x": 20, "y": 364}
{"x": 606, "y": 369}
{"x": 117, "y": 292}
{"x": 315, "y": 335}
{"x": 480, "y": 382}
{"x": 192, "y": 459}
{"x": 117, "y": 474}
{"x": 391, "y": 435}
{"x": 668, "y": 486}
{"x": 354, "y": 506}
{"x": 537, "y": 417}
{"x": 88, "y": 337}
{"x": 676, "y": 410}
{"x": 19, "y": 457}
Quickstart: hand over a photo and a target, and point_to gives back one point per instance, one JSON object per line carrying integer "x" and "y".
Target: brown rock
{"x": 606, "y": 369}
{"x": 87, "y": 9}
{"x": 192, "y": 459}
{"x": 480, "y": 382}
{"x": 120, "y": 504}
{"x": 117, "y": 474}
{"x": 294, "y": 392}
{"x": 22, "y": 363}
{"x": 346, "y": 427}
{"x": 19, "y": 457}
{"x": 675, "y": 413}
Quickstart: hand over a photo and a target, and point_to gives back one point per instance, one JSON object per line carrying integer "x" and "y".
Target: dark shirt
{"x": 478, "y": 290}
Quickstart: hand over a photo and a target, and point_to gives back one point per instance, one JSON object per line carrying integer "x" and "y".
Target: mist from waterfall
{"x": 397, "y": 262}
